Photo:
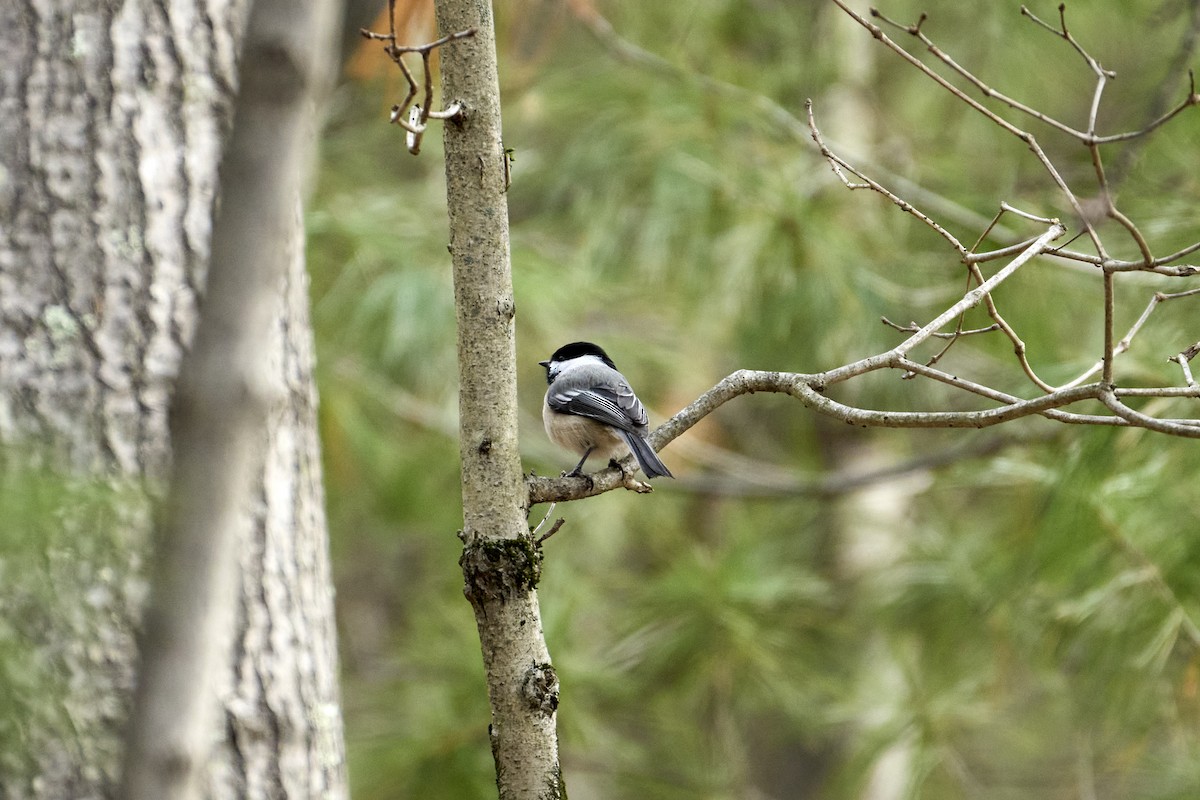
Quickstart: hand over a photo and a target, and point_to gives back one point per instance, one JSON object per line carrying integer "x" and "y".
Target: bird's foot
{"x": 578, "y": 473}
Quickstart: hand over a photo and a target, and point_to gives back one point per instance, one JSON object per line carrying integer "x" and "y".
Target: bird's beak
{"x": 545, "y": 363}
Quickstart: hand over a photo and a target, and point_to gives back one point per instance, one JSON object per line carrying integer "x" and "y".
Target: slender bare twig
{"x": 1183, "y": 360}
{"x": 1127, "y": 340}
{"x": 1178, "y": 64}
{"x": 984, "y": 88}
{"x": 991, "y": 255}
{"x": 1191, "y": 99}
{"x": 912, "y": 327}
{"x": 1089, "y": 136}
{"x": 1158, "y": 391}
{"x": 838, "y": 164}
{"x": 558, "y": 523}
{"x": 418, "y": 115}
{"x": 1106, "y": 371}
{"x": 1024, "y": 136}
{"x": 1189, "y": 428}
{"x": 1102, "y": 75}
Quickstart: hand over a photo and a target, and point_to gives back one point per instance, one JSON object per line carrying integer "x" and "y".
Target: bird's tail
{"x": 647, "y": 459}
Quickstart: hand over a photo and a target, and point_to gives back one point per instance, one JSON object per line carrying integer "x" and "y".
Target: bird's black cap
{"x": 577, "y": 349}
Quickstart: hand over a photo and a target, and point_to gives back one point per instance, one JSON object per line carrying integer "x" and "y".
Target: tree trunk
{"x": 112, "y": 124}
{"x": 500, "y": 562}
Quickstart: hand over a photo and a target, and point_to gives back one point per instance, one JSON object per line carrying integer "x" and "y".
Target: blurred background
{"x": 810, "y": 610}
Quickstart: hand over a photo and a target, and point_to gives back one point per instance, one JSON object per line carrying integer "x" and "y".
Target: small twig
{"x": 1191, "y": 99}
{"x": 974, "y": 257}
{"x": 1158, "y": 268}
{"x": 449, "y": 112}
{"x": 546, "y": 518}
{"x": 1064, "y": 34}
{"x": 1187, "y": 428}
{"x": 1159, "y": 392}
{"x": 1183, "y": 360}
{"x": 418, "y": 115}
{"x": 912, "y": 327}
{"x": 558, "y": 523}
{"x": 1003, "y": 252}
{"x": 1106, "y": 371}
{"x": 969, "y": 300}
{"x": 1026, "y": 137}
{"x": 838, "y": 163}
{"x": 1127, "y": 340}
{"x": 1005, "y": 207}
{"x": 436, "y": 43}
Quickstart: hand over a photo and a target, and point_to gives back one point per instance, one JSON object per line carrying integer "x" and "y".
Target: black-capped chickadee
{"x": 591, "y": 410}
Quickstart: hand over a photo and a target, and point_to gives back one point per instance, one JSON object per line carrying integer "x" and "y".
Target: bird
{"x": 591, "y": 410}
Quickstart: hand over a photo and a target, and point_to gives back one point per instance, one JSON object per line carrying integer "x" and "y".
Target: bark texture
{"x": 222, "y": 400}
{"x": 112, "y": 121}
{"x": 500, "y": 563}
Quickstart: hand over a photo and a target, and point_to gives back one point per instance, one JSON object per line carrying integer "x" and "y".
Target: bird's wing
{"x": 613, "y": 404}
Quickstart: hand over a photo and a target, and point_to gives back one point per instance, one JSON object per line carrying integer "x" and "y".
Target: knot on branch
{"x": 496, "y": 570}
{"x": 540, "y": 688}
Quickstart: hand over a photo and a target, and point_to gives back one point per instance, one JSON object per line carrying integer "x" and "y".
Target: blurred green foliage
{"x": 1016, "y": 625}
{"x": 71, "y": 549}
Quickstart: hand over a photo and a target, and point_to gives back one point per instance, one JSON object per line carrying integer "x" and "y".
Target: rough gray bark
{"x": 112, "y": 120}
{"x": 222, "y": 399}
{"x": 500, "y": 562}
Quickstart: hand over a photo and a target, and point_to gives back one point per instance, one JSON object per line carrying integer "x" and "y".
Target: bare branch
{"x": 912, "y": 327}
{"x": 558, "y": 523}
{"x": 1188, "y": 428}
{"x": 1127, "y": 340}
{"x": 1026, "y": 137}
{"x": 991, "y": 255}
{"x": 1179, "y": 63}
{"x": 973, "y": 297}
{"x": 838, "y": 163}
{"x": 1053, "y": 402}
{"x": 984, "y": 88}
{"x": 1191, "y": 99}
{"x": 546, "y": 490}
{"x": 1088, "y": 137}
{"x": 1184, "y": 359}
{"x": 418, "y": 115}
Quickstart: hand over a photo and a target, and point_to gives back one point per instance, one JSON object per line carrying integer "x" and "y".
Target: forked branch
{"x": 1058, "y": 403}
{"x": 415, "y": 118}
